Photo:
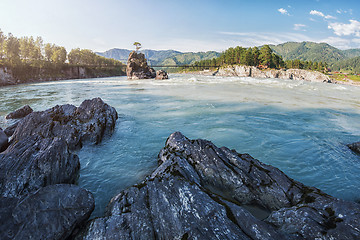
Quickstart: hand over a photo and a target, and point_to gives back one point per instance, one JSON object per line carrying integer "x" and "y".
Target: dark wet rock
{"x": 53, "y": 212}
{"x": 137, "y": 67}
{"x": 35, "y": 162}
{"x": 40, "y": 148}
{"x": 20, "y": 113}
{"x": 9, "y": 131}
{"x": 355, "y": 147}
{"x": 200, "y": 191}
{"x": 4, "y": 141}
{"x": 86, "y": 123}
{"x": 161, "y": 74}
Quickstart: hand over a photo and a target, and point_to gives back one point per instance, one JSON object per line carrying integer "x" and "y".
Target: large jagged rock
{"x": 137, "y": 67}
{"x": 40, "y": 149}
{"x": 53, "y": 212}
{"x": 32, "y": 204}
{"x": 200, "y": 191}
{"x": 20, "y": 113}
{"x": 4, "y": 141}
{"x": 355, "y": 147}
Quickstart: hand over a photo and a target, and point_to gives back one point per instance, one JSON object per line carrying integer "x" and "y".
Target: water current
{"x": 298, "y": 126}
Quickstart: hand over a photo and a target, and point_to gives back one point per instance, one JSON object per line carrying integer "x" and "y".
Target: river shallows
{"x": 297, "y": 126}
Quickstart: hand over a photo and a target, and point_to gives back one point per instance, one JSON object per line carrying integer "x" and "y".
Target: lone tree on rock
{"x": 137, "y": 45}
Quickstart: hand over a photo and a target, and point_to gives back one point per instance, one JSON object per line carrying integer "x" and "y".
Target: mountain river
{"x": 300, "y": 127}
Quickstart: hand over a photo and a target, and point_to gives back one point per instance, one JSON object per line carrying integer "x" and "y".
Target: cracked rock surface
{"x": 200, "y": 191}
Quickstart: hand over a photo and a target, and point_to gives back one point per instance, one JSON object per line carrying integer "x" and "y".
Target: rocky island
{"x": 137, "y": 68}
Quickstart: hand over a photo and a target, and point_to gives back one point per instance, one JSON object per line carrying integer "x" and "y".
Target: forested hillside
{"x": 309, "y": 51}
{"x": 351, "y": 65}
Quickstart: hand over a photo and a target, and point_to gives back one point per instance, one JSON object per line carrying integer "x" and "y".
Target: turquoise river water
{"x": 300, "y": 127}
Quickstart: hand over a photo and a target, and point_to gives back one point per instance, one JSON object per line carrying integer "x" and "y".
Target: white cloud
{"x": 299, "y": 27}
{"x": 250, "y": 39}
{"x": 317, "y": 13}
{"x": 342, "y": 43}
{"x": 283, "y": 11}
{"x": 343, "y": 29}
{"x": 320, "y": 14}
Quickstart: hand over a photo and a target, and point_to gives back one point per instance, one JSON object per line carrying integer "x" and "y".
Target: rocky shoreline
{"x": 198, "y": 191}
{"x": 292, "y": 74}
{"x": 7, "y": 77}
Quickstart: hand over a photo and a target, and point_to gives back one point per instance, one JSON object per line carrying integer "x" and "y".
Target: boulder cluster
{"x": 137, "y": 68}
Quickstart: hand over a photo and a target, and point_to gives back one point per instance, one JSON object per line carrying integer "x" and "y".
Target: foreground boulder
{"x": 40, "y": 157}
{"x": 355, "y": 147}
{"x": 200, "y": 191}
{"x": 40, "y": 149}
{"x": 53, "y": 212}
{"x": 137, "y": 67}
{"x": 20, "y": 113}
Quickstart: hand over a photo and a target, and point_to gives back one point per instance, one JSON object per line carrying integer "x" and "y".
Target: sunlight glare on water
{"x": 300, "y": 127}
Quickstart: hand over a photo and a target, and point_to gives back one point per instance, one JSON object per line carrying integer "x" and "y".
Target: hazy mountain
{"x": 351, "y": 53}
{"x": 153, "y": 56}
{"x": 189, "y": 58}
{"x": 161, "y": 57}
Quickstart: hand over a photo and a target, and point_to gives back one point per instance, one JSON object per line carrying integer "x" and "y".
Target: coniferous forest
{"x": 263, "y": 58}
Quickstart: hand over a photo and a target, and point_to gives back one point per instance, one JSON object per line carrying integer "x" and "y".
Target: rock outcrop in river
{"x": 137, "y": 68}
{"x": 40, "y": 156}
{"x": 250, "y": 71}
{"x": 200, "y": 191}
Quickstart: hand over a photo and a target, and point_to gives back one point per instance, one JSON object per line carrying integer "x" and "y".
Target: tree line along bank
{"x": 262, "y": 58}
{"x": 29, "y": 55}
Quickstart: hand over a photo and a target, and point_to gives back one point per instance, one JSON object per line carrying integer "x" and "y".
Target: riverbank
{"x": 292, "y": 74}
{"x": 10, "y": 76}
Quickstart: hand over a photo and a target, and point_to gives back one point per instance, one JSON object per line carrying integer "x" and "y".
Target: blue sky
{"x": 186, "y": 25}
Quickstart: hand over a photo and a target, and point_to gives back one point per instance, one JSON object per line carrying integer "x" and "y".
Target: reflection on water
{"x": 297, "y": 126}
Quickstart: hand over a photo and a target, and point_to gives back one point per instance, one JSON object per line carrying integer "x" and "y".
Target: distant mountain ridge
{"x": 310, "y": 51}
{"x": 306, "y": 51}
{"x": 161, "y": 57}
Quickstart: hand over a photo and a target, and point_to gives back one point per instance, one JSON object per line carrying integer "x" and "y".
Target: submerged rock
{"x": 161, "y": 74}
{"x": 137, "y": 67}
{"x": 200, "y": 191}
{"x": 355, "y": 147}
{"x": 20, "y": 113}
{"x": 53, "y": 212}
